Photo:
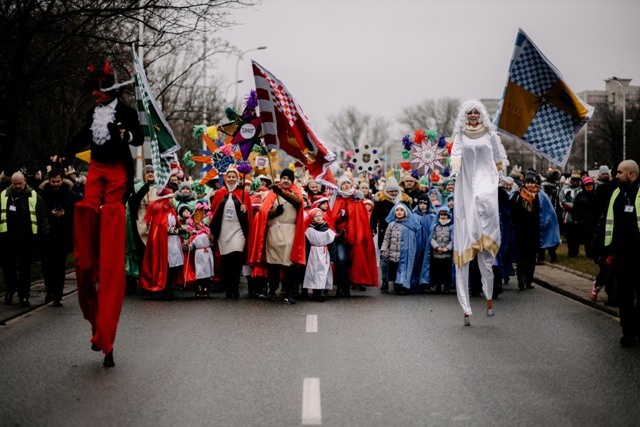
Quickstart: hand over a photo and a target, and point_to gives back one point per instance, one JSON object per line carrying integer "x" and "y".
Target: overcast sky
{"x": 384, "y": 55}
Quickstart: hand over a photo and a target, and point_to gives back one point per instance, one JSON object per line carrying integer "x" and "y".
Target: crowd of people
{"x": 463, "y": 233}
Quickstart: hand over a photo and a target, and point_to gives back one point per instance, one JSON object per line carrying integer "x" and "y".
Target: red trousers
{"x": 99, "y": 243}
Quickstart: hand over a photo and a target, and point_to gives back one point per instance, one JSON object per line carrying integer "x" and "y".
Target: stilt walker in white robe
{"x": 477, "y": 157}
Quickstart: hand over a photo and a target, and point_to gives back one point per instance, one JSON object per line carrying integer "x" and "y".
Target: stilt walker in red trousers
{"x": 99, "y": 224}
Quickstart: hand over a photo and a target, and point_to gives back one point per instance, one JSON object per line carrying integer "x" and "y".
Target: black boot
{"x": 108, "y": 360}
{"x": 8, "y": 298}
{"x": 167, "y": 293}
{"x": 384, "y": 287}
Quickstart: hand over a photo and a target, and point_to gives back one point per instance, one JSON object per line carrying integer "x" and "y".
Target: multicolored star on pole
{"x": 219, "y": 156}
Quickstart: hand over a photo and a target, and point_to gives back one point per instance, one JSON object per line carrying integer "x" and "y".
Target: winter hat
{"x": 148, "y": 168}
{"x": 255, "y": 184}
{"x": 531, "y": 177}
{"x": 182, "y": 208}
{"x": 319, "y": 198}
{"x": 184, "y": 184}
{"x": 408, "y": 177}
{"x": 288, "y": 173}
{"x": 311, "y": 213}
{"x": 264, "y": 177}
{"x": 343, "y": 179}
{"x": 604, "y": 169}
{"x": 507, "y": 180}
{"x": 392, "y": 185}
{"x": 232, "y": 169}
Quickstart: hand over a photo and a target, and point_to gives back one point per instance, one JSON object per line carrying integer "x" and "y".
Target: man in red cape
{"x": 278, "y": 236}
{"x": 356, "y": 254}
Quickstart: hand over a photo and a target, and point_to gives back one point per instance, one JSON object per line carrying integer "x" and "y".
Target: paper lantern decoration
{"x": 427, "y": 156}
{"x": 365, "y": 159}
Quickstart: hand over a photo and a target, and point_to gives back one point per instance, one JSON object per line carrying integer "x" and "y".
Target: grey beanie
{"x": 391, "y": 185}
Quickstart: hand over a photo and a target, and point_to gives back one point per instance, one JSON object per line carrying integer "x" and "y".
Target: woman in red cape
{"x": 155, "y": 273}
{"x": 278, "y": 205}
{"x": 230, "y": 225}
{"x": 356, "y": 254}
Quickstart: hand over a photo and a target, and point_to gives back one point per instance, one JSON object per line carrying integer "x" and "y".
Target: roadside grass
{"x": 581, "y": 263}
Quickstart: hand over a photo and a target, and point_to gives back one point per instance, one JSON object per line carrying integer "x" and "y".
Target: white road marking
{"x": 311, "y": 410}
{"x": 312, "y": 323}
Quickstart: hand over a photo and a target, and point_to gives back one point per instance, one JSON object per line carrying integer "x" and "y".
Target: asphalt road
{"x": 374, "y": 360}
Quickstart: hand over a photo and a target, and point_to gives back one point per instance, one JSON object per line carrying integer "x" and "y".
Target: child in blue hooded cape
{"x": 425, "y": 217}
{"x": 401, "y": 239}
{"x": 435, "y": 198}
{"x": 439, "y": 251}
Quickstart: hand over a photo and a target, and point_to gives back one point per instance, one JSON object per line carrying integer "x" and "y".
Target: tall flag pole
{"x": 156, "y": 130}
{"x": 538, "y": 108}
{"x": 287, "y": 128}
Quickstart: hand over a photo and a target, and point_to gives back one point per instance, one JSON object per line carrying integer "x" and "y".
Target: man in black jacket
{"x": 60, "y": 200}
{"x": 622, "y": 239}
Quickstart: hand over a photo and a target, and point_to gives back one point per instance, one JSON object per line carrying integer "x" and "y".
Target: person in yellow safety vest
{"x": 622, "y": 240}
{"x": 23, "y": 221}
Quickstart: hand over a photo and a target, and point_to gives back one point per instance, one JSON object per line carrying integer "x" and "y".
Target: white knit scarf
{"x": 476, "y": 132}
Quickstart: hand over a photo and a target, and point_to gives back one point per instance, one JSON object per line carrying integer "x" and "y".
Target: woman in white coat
{"x": 477, "y": 157}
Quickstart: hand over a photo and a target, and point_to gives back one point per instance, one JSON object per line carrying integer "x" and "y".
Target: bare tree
{"x": 45, "y": 47}
{"x": 352, "y": 128}
{"x": 438, "y": 114}
{"x": 606, "y": 139}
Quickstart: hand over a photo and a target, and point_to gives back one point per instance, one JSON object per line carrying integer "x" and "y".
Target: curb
{"x": 569, "y": 270}
{"x": 610, "y": 311}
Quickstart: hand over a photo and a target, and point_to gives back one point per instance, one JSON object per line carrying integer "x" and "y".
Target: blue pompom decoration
{"x": 407, "y": 142}
{"x": 446, "y": 172}
{"x": 442, "y": 141}
{"x": 415, "y": 174}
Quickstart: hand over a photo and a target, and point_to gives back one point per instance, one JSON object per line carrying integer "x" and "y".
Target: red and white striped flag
{"x": 287, "y": 128}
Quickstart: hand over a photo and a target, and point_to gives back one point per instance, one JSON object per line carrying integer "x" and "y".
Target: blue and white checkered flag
{"x": 537, "y": 107}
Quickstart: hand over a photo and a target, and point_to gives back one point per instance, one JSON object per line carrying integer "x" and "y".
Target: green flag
{"x": 154, "y": 126}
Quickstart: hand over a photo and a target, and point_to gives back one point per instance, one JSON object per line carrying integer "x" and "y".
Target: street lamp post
{"x": 237, "y": 82}
{"x": 235, "y": 100}
{"x": 624, "y": 118}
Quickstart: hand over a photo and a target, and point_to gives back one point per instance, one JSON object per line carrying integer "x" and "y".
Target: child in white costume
{"x": 477, "y": 157}
{"x": 200, "y": 247}
{"x": 320, "y": 252}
